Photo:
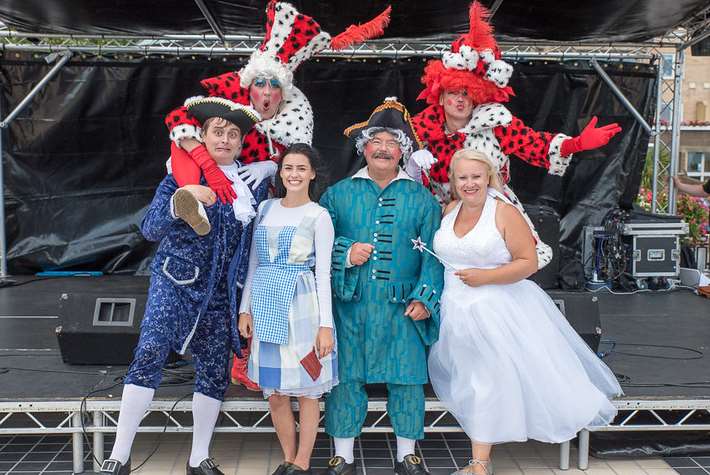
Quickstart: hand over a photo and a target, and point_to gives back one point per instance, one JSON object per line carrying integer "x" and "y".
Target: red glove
{"x": 590, "y": 138}
{"x": 216, "y": 179}
{"x": 185, "y": 170}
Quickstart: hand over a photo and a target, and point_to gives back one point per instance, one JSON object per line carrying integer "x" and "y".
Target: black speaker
{"x": 581, "y": 309}
{"x": 547, "y": 224}
{"x": 98, "y": 327}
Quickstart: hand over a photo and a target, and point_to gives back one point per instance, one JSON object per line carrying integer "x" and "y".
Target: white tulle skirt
{"x": 510, "y": 368}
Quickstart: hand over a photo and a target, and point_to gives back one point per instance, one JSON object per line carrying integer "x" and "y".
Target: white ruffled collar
{"x": 244, "y": 204}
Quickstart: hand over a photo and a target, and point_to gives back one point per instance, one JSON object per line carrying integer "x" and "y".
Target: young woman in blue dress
{"x": 286, "y": 305}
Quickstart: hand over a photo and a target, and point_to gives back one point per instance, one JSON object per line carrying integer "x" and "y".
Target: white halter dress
{"x": 507, "y": 364}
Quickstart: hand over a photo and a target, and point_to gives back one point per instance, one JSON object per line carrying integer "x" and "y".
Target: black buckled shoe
{"x": 207, "y": 467}
{"x": 293, "y": 469}
{"x": 114, "y": 467}
{"x": 337, "y": 466}
{"x": 412, "y": 465}
{"x": 281, "y": 468}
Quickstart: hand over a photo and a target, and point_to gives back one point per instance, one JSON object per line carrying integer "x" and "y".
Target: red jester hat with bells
{"x": 474, "y": 69}
{"x": 290, "y": 39}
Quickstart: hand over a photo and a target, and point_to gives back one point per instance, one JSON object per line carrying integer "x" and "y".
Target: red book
{"x": 312, "y": 364}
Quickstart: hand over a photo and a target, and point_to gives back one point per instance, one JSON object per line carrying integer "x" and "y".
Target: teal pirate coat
{"x": 377, "y": 343}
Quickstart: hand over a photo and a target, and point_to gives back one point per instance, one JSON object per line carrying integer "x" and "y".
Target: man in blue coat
{"x": 196, "y": 277}
{"x": 386, "y": 303}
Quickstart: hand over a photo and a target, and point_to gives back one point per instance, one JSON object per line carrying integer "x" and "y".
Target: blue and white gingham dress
{"x": 285, "y": 309}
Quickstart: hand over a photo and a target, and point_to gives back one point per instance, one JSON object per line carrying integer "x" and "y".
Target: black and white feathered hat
{"x": 293, "y": 37}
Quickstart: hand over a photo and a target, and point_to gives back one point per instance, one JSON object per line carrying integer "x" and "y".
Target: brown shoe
{"x": 192, "y": 211}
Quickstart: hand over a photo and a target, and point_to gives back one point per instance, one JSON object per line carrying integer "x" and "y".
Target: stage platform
{"x": 657, "y": 344}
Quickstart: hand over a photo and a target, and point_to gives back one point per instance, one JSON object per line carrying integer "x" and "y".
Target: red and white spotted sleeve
{"x": 540, "y": 149}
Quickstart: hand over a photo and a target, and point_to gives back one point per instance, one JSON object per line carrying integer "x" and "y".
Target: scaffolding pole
{"x": 211, "y": 20}
{"x": 3, "y": 243}
{"x": 657, "y": 135}
{"x": 620, "y": 95}
{"x": 675, "y": 130}
{"x": 65, "y": 56}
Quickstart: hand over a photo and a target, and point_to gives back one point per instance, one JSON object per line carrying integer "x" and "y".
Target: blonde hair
{"x": 494, "y": 179}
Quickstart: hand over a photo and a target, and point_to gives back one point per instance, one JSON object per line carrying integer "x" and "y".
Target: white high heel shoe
{"x": 487, "y": 466}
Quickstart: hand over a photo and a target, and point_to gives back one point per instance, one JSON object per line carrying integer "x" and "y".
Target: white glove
{"x": 421, "y": 160}
{"x": 254, "y": 173}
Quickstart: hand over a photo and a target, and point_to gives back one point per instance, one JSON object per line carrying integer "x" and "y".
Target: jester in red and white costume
{"x": 466, "y": 91}
{"x": 265, "y": 83}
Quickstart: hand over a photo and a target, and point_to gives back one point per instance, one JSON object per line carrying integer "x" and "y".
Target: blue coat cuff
{"x": 345, "y": 279}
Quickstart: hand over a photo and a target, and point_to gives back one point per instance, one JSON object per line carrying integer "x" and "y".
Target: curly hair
{"x": 437, "y": 79}
{"x": 405, "y": 143}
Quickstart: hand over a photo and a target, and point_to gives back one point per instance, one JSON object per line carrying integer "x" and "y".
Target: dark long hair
{"x": 317, "y": 186}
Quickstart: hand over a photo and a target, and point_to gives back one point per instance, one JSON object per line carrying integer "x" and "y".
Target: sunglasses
{"x": 273, "y": 83}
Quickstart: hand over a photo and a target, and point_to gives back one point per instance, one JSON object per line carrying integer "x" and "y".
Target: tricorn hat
{"x": 203, "y": 108}
{"x": 390, "y": 114}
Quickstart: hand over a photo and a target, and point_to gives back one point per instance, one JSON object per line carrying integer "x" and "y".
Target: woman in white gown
{"x": 507, "y": 364}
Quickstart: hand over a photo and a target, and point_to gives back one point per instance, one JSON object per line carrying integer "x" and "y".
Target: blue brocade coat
{"x": 203, "y": 273}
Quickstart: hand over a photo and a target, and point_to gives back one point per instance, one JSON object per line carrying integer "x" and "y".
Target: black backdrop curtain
{"x": 83, "y": 159}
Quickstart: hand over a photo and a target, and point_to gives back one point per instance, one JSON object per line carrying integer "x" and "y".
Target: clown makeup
{"x": 457, "y": 105}
{"x": 265, "y": 94}
{"x": 223, "y": 141}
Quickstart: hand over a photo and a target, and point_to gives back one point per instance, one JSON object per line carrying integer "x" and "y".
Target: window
{"x": 698, "y": 165}
{"x": 666, "y": 113}
{"x": 667, "y": 65}
{"x": 695, "y": 162}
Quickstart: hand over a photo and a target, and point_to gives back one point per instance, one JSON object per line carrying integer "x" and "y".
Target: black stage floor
{"x": 648, "y": 337}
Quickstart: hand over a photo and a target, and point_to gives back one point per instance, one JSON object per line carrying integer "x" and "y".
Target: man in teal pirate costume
{"x": 386, "y": 293}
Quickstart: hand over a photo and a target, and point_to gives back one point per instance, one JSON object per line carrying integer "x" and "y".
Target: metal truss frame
{"x": 100, "y": 416}
{"x": 663, "y": 171}
{"x": 244, "y": 45}
{"x": 686, "y": 35}
{"x": 649, "y": 415}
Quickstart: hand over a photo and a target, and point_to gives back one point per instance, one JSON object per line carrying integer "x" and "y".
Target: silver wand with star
{"x": 420, "y": 246}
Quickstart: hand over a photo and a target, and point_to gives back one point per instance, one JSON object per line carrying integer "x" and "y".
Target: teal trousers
{"x": 346, "y": 409}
